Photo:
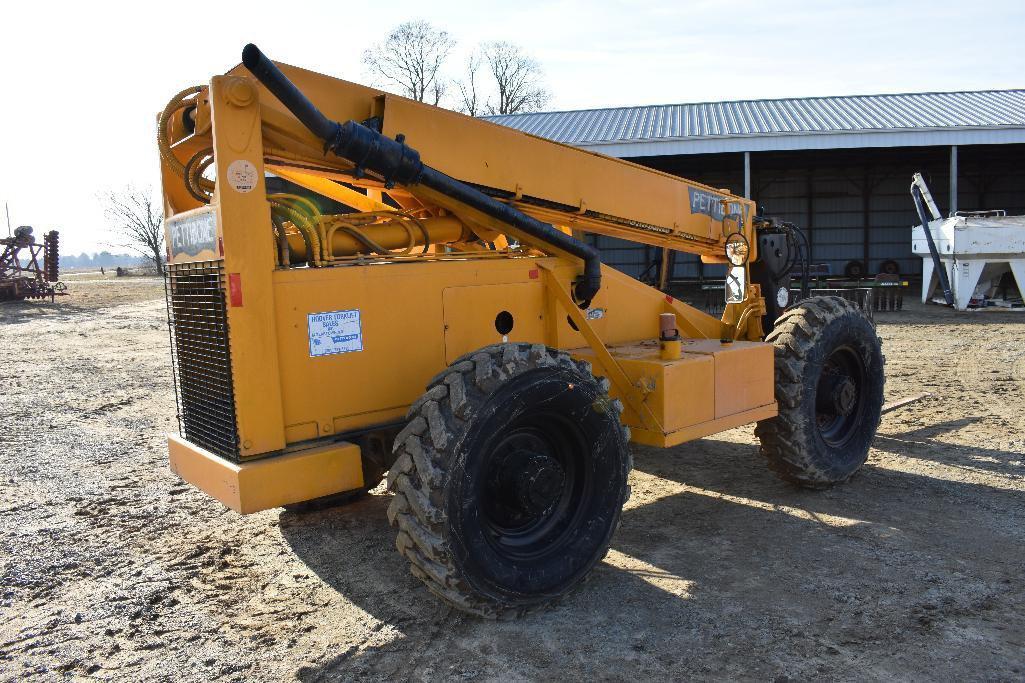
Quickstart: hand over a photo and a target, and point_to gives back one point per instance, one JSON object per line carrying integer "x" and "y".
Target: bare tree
{"x": 138, "y": 222}
{"x": 517, "y": 79}
{"x": 411, "y": 58}
{"x": 470, "y": 97}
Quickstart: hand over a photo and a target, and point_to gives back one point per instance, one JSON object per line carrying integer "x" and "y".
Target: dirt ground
{"x": 112, "y": 568}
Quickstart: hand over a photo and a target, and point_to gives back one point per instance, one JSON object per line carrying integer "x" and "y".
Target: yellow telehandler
{"x": 362, "y": 286}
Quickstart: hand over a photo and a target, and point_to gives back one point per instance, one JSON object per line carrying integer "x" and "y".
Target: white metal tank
{"x": 975, "y": 249}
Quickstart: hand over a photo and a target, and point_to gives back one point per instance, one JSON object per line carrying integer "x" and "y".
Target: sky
{"x": 82, "y": 82}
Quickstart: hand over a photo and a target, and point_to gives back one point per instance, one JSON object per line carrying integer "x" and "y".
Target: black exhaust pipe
{"x": 395, "y": 162}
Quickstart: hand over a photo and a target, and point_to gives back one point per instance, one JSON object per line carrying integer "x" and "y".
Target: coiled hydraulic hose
{"x": 194, "y": 169}
{"x": 305, "y": 216}
{"x": 178, "y": 102}
{"x": 295, "y": 199}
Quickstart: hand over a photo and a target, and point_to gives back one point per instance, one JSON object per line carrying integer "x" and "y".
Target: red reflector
{"x": 534, "y": 274}
{"x": 235, "y": 289}
{"x": 669, "y": 298}
{"x": 220, "y": 248}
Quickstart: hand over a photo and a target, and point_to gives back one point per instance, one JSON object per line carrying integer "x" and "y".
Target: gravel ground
{"x": 112, "y": 568}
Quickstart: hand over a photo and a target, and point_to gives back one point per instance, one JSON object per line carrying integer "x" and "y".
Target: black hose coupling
{"x": 393, "y": 160}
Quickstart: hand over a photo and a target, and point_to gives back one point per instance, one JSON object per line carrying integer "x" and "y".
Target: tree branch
{"x": 411, "y": 58}
{"x": 139, "y": 223}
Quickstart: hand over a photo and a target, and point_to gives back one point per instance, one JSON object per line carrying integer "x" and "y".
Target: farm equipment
{"x": 447, "y": 332}
{"x": 972, "y": 257}
{"x": 30, "y": 269}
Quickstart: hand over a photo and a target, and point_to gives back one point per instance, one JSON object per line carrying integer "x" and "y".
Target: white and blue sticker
{"x": 334, "y": 332}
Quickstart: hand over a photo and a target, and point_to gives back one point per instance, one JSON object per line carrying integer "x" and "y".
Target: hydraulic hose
{"x": 193, "y": 176}
{"x": 180, "y": 101}
{"x": 397, "y": 163}
{"x": 284, "y": 207}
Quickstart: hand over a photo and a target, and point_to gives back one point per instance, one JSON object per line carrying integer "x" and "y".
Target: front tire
{"x": 829, "y": 388}
{"x": 509, "y": 479}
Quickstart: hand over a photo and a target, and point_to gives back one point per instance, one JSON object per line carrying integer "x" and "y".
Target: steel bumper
{"x": 269, "y": 482}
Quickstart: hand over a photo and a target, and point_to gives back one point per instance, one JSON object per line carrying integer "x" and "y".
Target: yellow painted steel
{"x": 330, "y": 189}
{"x": 269, "y": 482}
{"x": 702, "y": 429}
{"x": 669, "y": 349}
{"x": 594, "y": 193}
{"x": 523, "y": 302}
{"x": 420, "y": 309}
{"x": 581, "y": 189}
{"x": 710, "y": 384}
{"x": 243, "y": 214}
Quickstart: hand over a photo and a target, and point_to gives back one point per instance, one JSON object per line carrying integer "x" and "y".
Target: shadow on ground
{"x": 718, "y": 560}
{"x": 62, "y": 310}
{"x": 922, "y": 444}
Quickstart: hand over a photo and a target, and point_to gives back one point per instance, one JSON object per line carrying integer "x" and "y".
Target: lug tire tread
{"x": 422, "y": 465}
{"x": 785, "y": 441}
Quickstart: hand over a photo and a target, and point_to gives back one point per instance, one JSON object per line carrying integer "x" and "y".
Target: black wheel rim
{"x": 535, "y": 486}
{"x": 840, "y": 396}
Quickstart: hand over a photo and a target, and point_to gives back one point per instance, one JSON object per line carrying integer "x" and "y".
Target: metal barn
{"x": 839, "y": 167}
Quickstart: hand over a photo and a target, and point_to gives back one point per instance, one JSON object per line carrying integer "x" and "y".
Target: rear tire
{"x": 509, "y": 479}
{"x": 829, "y": 388}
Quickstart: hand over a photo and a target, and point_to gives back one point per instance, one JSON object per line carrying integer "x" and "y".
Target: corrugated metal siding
{"x": 982, "y": 109}
{"x": 835, "y": 221}
{"x": 835, "y": 216}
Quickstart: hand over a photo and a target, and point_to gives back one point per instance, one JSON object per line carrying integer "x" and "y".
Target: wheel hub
{"x": 837, "y": 394}
{"x": 527, "y": 481}
{"x": 539, "y": 484}
{"x": 840, "y": 396}
{"x": 845, "y": 396}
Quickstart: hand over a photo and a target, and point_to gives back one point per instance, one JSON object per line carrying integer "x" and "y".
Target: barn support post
{"x": 747, "y": 175}
{"x": 811, "y": 213}
{"x": 866, "y": 199}
{"x": 953, "y": 179}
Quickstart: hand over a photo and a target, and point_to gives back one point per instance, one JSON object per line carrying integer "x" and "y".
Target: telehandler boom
{"x": 419, "y": 306}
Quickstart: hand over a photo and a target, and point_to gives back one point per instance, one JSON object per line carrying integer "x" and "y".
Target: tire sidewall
{"x": 526, "y": 582}
{"x": 853, "y": 330}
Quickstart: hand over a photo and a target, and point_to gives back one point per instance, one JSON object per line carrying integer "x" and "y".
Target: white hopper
{"x": 976, "y": 250}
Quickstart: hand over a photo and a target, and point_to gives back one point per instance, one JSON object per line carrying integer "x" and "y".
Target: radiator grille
{"x": 200, "y": 356}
